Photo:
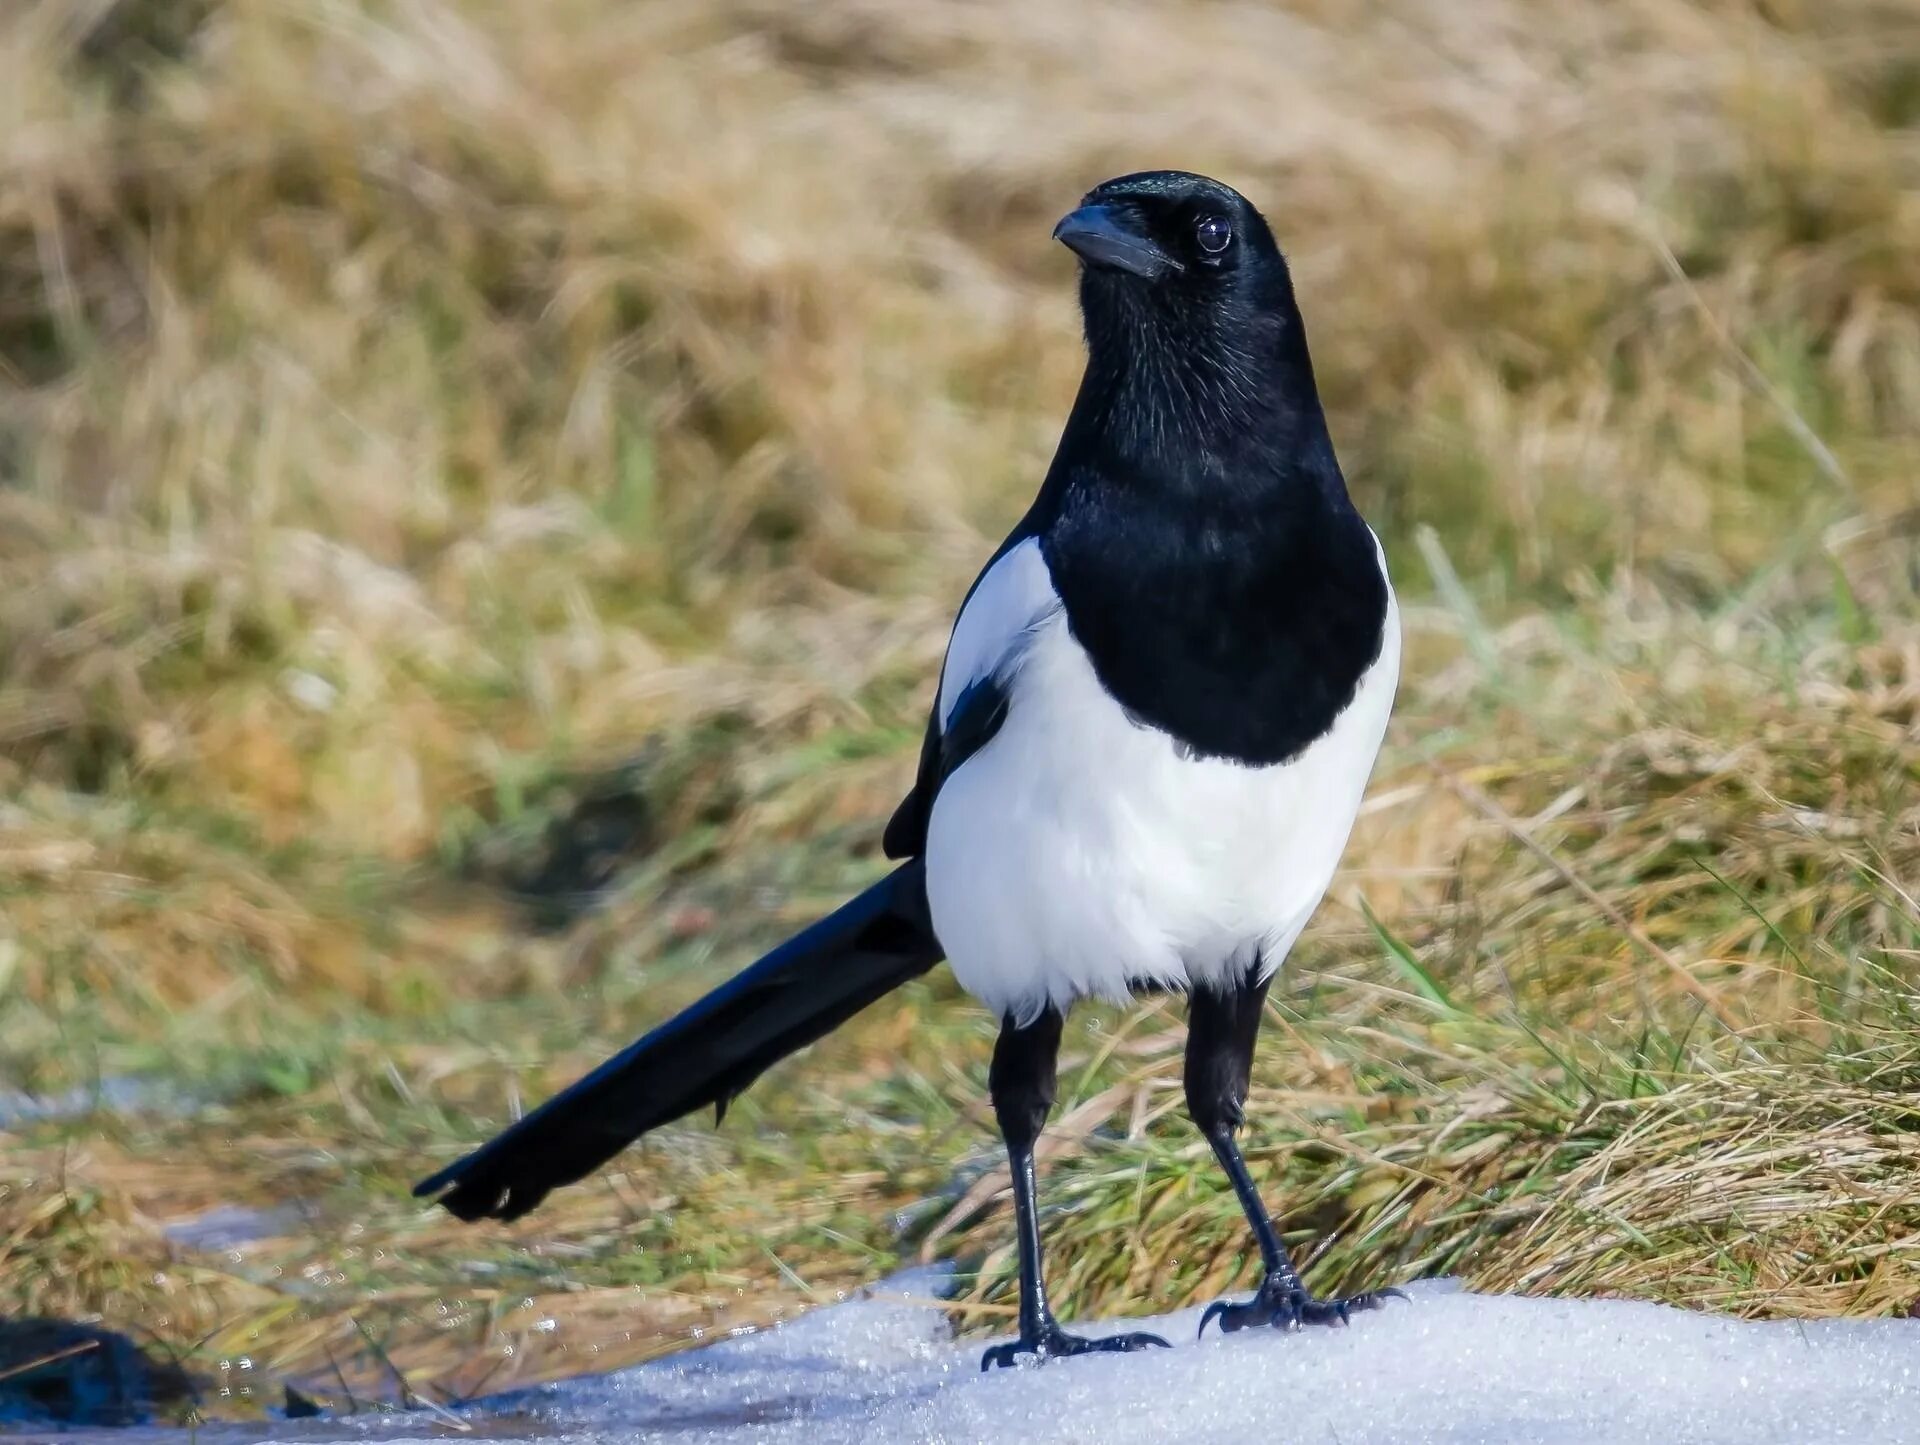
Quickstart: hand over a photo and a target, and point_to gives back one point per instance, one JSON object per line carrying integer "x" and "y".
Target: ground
{"x": 1443, "y": 1367}
{"x": 482, "y": 491}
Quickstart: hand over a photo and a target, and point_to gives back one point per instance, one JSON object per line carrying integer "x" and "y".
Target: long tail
{"x": 707, "y": 1054}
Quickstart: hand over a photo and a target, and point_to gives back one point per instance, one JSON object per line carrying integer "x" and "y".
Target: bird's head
{"x": 1190, "y": 315}
{"x": 1172, "y": 231}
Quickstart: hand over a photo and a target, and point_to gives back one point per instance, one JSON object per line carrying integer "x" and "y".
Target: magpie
{"x": 1160, "y": 704}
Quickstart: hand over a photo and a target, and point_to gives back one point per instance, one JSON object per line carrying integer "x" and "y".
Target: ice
{"x": 106, "y": 1096}
{"x": 231, "y": 1227}
{"x": 1444, "y": 1368}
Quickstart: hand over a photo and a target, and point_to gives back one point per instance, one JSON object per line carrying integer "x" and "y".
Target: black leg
{"x": 1022, "y": 1083}
{"x": 1221, "y": 1030}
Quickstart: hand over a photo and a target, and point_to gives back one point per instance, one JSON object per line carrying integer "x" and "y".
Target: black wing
{"x": 906, "y": 835}
{"x": 977, "y": 715}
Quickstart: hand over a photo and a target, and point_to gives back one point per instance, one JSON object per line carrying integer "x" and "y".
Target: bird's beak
{"x": 1106, "y": 236}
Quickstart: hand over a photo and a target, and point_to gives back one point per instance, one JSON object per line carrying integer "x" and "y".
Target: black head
{"x": 1193, "y": 336}
{"x": 1175, "y": 231}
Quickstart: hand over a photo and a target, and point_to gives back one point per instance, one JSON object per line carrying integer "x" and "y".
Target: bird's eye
{"x": 1214, "y": 233}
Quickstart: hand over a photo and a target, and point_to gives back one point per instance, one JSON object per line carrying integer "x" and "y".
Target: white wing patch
{"x": 998, "y": 623}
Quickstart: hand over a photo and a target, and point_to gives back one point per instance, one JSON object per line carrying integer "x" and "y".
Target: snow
{"x": 116, "y": 1095}
{"x": 1444, "y": 1368}
{"x": 230, "y": 1228}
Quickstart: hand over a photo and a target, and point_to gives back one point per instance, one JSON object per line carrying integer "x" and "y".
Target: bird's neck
{"x": 1223, "y": 414}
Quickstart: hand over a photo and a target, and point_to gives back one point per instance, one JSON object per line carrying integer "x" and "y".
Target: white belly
{"x": 1079, "y": 853}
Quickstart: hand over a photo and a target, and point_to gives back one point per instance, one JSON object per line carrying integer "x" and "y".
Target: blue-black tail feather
{"x": 705, "y": 1055}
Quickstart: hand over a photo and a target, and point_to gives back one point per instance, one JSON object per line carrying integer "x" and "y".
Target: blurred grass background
{"x": 482, "y": 491}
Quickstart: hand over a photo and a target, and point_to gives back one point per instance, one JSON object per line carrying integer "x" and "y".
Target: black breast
{"x": 1242, "y": 633}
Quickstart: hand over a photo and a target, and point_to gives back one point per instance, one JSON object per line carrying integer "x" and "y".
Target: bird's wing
{"x": 906, "y": 834}
{"x": 1011, "y": 596}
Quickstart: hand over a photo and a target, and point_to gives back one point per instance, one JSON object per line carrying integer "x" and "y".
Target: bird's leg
{"x": 1221, "y": 1029}
{"x": 1022, "y": 1084}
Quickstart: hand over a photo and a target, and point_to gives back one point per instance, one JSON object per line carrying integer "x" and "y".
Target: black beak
{"x": 1105, "y": 236}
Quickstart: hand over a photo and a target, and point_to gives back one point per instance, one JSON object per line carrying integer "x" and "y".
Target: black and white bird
{"x": 1160, "y": 705}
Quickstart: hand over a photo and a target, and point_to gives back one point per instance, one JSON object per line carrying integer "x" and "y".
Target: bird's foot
{"x": 1284, "y": 1303}
{"x": 1054, "y": 1343}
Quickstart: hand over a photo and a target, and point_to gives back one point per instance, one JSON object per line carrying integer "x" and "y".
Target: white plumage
{"x": 1079, "y": 852}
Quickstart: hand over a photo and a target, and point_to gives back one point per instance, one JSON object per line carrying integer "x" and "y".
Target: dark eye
{"x": 1213, "y": 233}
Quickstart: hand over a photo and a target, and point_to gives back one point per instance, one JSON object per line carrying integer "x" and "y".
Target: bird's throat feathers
{"x": 1203, "y": 398}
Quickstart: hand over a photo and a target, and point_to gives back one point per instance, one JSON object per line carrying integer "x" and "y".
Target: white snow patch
{"x": 1445, "y": 1368}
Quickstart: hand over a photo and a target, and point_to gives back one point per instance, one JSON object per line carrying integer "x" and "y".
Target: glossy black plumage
{"x": 1195, "y": 519}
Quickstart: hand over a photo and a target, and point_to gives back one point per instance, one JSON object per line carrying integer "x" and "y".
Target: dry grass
{"x": 481, "y": 491}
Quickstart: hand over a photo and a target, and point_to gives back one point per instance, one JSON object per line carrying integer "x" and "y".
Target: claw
{"x": 1282, "y": 1304}
{"x": 1055, "y": 1343}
